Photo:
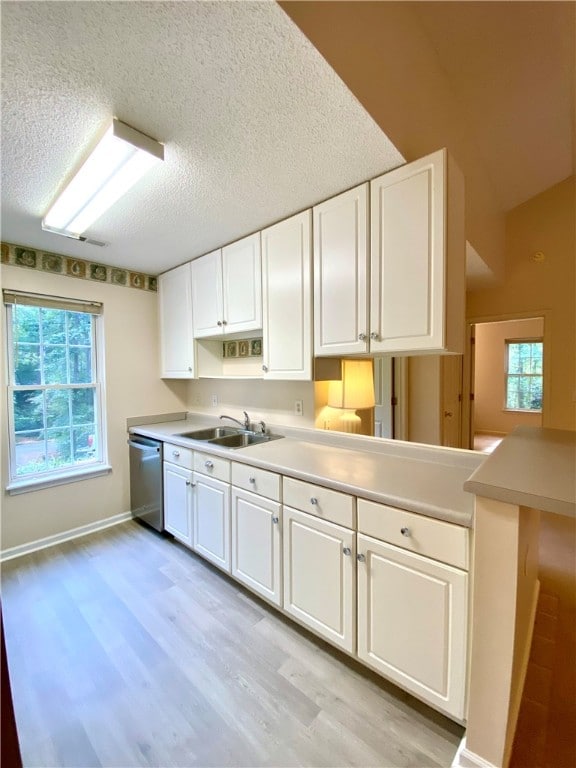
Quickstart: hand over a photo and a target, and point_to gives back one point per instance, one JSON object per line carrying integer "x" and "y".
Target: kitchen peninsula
{"x": 392, "y": 482}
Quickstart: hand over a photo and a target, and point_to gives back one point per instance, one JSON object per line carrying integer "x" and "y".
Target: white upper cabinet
{"x": 341, "y": 274}
{"x": 176, "y": 335}
{"x": 242, "y": 285}
{"x": 227, "y": 289}
{"x": 207, "y": 302}
{"x": 287, "y": 300}
{"x": 418, "y": 258}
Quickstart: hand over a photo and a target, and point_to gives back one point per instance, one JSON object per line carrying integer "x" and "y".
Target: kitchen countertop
{"x": 532, "y": 467}
{"x": 421, "y": 479}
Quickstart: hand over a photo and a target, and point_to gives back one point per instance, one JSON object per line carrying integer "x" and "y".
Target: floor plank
{"x": 125, "y": 649}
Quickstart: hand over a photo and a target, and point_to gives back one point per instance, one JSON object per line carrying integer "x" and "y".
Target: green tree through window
{"x": 524, "y": 375}
{"x": 54, "y": 389}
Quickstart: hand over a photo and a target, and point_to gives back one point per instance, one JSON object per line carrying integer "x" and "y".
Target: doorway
{"x": 506, "y": 378}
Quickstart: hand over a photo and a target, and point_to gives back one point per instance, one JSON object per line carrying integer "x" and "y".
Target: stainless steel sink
{"x": 242, "y": 439}
{"x": 210, "y": 433}
{"x": 229, "y": 437}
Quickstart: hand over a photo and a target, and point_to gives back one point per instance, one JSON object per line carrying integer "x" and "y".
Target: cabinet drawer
{"x": 329, "y": 505}
{"x": 176, "y": 454}
{"x": 425, "y": 535}
{"x": 213, "y": 466}
{"x": 258, "y": 481}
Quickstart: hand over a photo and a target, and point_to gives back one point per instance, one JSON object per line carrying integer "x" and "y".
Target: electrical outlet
{"x": 298, "y": 407}
{"x": 214, "y": 400}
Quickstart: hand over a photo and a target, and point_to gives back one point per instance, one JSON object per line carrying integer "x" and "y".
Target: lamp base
{"x": 350, "y": 422}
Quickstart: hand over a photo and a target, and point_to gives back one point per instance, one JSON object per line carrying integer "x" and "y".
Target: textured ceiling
{"x": 256, "y": 125}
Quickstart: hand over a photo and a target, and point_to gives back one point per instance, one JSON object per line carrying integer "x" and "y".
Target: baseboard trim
{"x": 58, "y": 538}
{"x": 466, "y": 759}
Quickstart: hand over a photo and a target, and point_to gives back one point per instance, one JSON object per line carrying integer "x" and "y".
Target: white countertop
{"x": 421, "y": 479}
{"x": 532, "y": 467}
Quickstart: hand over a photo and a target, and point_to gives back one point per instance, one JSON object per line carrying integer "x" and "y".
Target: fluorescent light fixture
{"x": 121, "y": 157}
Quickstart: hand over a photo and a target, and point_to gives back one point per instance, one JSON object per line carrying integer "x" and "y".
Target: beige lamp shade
{"x": 356, "y": 390}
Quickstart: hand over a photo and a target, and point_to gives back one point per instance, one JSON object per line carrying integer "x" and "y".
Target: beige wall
{"x": 133, "y": 388}
{"x": 271, "y": 401}
{"x": 490, "y": 375}
{"x": 545, "y": 224}
{"x": 381, "y": 52}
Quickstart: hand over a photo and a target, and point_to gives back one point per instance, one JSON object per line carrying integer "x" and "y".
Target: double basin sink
{"x": 229, "y": 437}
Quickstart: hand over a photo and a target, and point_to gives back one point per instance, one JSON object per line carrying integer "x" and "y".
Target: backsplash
{"x": 70, "y": 266}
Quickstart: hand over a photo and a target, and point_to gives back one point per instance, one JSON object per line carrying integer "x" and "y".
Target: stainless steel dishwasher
{"x": 146, "y": 501}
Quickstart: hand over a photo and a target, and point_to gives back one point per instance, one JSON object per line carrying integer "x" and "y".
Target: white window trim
{"x": 507, "y": 343}
{"x": 18, "y": 484}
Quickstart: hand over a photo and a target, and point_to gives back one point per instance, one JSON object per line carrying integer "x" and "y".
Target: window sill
{"x": 63, "y": 478}
{"x": 521, "y": 410}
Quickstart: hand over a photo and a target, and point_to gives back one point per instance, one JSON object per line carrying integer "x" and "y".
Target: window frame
{"x": 35, "y": 480}
{"x": 507, "y": 374}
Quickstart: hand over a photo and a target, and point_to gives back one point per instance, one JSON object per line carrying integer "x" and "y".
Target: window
{"x": 54, "y": 388}
{"x": 524, "y": 375}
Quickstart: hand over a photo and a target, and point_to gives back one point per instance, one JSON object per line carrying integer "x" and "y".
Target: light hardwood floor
{"x": 125, "y": 649}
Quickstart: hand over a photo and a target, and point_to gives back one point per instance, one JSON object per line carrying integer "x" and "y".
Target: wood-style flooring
{"x": 125, "y": 649}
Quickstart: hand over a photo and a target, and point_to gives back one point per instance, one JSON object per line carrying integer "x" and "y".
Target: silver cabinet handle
{"x": 347, "y": 551}
{"x": 209, "y": 464}
{"x": 189, "y": 482}
{"x": 252, "y": 480}
{"x": 219, "y": 323}
{"x": 374, "y": 336}
{"x": 314, "y": 500}
{"x": 361, "y": 558}
{"x": 275, "y": 520}
{"x": 405, "y": 531}
{"x": 176, "y": 453}
{"x": 265, "y": 368}
{"x": 190, "y": 368}
{"x": 224, "y": 322}
{"x": 362, "y": 337}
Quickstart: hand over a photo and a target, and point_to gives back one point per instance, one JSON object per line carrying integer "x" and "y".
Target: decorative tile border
{"x": 242, "y": 348}
{"x": 57, "y": 264}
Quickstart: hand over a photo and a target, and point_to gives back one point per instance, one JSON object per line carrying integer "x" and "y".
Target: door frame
{"x": 467, "y": 427}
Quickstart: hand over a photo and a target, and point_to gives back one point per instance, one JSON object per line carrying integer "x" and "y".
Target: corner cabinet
{"x": 341, "y": 274}
{"x": 418, "y": 258}
{"x": 227, "y": 289}
{"x": 176, "y": 332}
{"x": 287, "y": 299}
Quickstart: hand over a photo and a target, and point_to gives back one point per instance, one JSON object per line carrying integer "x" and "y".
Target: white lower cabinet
{"x": 412, "y": 622}
{"x": 320, "y": 577}
{"x": 256, "y": 544}
{"x": 178, "y": 502}
{"x": 211, "y": 520}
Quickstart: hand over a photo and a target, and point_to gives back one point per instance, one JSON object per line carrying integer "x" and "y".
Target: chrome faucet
{"x": 244, "y": 425}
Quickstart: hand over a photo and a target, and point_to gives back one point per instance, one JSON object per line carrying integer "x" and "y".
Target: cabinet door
{"x": 287, "y": 299}
{"x": 242, "y": 285}
{"x": 175, "y": 312}
{"x": 319, "y": 576}
{"x": 412, "y": 622}
{"x": 211, "y": 527}
{"x": 178, "y": 502}
{"x": 417, "y": 303}
{"x": 256, "y": 553}
{"x": 340, "y": 274}
{"x": 207, "y": 294}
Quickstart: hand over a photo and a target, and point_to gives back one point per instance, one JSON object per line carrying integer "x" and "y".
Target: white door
{"x": 319, "y": 576}
{"x": 211, "y": 526}
{"x": 383, "y": 392}
{"x": 408, "y": 256}
{"x": 242, "y": 285}
{"x": 207, "y": 294}
{"x": 287, "y": 298}
{"x": 451, "y": 373}
{"x": 175, "y": 312}
{"x": 256, "y": 544}
{"x": 178, "y": 502}
{"x": 412, "y": 622}
{"x": 340, "y": 274}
